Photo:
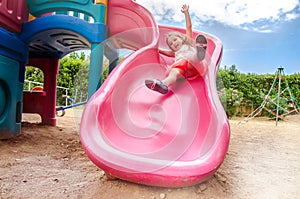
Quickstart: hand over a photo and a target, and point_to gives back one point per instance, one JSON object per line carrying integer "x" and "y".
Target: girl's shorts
{"x": 183, "y": 65}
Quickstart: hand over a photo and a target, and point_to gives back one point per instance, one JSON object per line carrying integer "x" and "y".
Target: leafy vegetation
{"x": 73, "y": 74}
{"x": 239, "y": 89}
{"x": 235, "y": 89}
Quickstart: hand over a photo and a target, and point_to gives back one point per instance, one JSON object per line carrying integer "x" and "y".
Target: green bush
{"x": 34, "y": 75}
{"x": 251, "y": 89}
{"x": 235, "y": 88}
{"x": 73, "y": 74}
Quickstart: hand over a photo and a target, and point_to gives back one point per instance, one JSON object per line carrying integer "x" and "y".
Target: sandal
{"x": 201, "y": 45}
{"x": 157, "y": 86}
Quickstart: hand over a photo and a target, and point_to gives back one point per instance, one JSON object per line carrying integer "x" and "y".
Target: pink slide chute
{"x": 138, "y": 135}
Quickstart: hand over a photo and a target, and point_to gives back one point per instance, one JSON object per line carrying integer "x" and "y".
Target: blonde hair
{"x": 185, "y": 38}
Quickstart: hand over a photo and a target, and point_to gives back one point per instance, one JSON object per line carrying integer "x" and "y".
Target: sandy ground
{"x": 263, "y": 161}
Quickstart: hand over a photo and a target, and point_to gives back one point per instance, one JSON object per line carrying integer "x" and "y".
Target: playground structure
{"x": 279, "y": 97}
{"x": 180, "y": 140}
{"x": 13, "y": 57}
{"x": 41, "y": 43}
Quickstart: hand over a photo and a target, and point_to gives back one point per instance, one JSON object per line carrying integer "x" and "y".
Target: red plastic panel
{"x": 12, "y": 14}
{"x": 43, "y": 103}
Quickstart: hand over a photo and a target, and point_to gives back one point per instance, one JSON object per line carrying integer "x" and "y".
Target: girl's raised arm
{"x": 188, "y": 22}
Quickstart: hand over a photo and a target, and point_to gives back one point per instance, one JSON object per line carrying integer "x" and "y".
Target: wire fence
{"x": 32, "y": 84}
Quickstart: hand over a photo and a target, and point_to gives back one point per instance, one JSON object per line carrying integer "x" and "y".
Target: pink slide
{"x": 138, "y": 135}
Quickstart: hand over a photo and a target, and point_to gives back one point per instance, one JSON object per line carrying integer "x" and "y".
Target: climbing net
{"x": 279, "y": 101}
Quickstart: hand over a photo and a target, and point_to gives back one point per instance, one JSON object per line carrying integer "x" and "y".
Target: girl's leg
{"x": 161, "y": 86}
{"x": 201, "y": 45}
{"x": 174, "y": 74}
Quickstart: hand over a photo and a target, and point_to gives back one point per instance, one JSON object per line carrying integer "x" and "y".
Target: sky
{"x": 258, "y": 36}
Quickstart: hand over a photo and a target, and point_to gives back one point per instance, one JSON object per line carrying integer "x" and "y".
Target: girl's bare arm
{"x": 168, "y": 53}
{"x": 188, "y": 22}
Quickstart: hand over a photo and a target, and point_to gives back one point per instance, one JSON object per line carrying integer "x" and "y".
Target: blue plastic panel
{"x": 11, "y": 46}
{"x": 10, "y": 98}
{"x": 58, "y": 35}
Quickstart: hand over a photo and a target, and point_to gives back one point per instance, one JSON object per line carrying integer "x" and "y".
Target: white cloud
{"x": 256, "y": 15}
{"x": 291, "y": 16}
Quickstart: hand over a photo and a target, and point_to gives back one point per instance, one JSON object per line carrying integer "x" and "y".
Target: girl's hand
{"x": 185, "y": 8}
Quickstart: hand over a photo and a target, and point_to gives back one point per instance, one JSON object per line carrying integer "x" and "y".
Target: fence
{"x": 78, "y": 96}
{"x": 32, "y": 84}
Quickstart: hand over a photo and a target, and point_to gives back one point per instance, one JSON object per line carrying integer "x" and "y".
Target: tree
{"x": 73, "y": 70}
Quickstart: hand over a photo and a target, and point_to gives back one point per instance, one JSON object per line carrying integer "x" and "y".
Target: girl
{"x": 187, "y": 56}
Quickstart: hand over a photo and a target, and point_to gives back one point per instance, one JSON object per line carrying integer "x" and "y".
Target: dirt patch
{"x": 49, "y": 162}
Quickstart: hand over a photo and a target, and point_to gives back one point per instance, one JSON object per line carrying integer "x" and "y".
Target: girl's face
{"x": 174, "y": 42}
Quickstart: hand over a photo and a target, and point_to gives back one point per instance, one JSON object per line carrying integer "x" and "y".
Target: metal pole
{"x": 66, "y": 102}
{"x": 278, "y": 97}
